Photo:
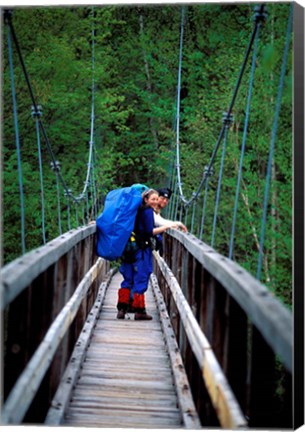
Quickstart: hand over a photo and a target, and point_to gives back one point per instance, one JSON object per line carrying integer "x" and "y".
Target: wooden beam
{"x": 226, "y": 406}
{"x": 185, "y": 398}
{"x": 62, "y": 397}
{"x": 19, "y": 273}
{"x": 29, "y": 381}
{"x": 266, "y": 312}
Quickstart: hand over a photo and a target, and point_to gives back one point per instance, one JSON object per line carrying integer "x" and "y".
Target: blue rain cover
{"x": 116, "y": 222}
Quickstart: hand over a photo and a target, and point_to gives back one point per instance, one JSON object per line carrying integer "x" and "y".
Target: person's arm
{"x": 160, "y": 221}
{"x": 161, "y": 229}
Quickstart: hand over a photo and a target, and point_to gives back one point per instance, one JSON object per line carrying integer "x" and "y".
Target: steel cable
{"x": 186, "y": 202}
{"x": 21, "y": 195}
{"x": 272, "y": 142}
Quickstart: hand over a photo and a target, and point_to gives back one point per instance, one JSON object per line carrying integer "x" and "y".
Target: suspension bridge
{"x": 219, "y": 350}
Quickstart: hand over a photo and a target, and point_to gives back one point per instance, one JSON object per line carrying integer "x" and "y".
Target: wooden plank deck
{"x": 127, "y": 378}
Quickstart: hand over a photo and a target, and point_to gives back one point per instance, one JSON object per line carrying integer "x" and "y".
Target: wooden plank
{"x": 120, "y": 421}
{"x": 268, "y": 314}
{"x": 62, "y": 395}
{"x": 227, "y": 408}
{"x": 28, "y": 383}
{"x": 142, "y": 414}
{"x": 143, "y": 394}
{"x": 19, "y": 273}
{"x": 185, "y": 399}
{"x": 109, "y": 397}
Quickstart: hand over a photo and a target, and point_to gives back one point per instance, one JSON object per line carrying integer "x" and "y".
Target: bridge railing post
{"x": 36, "y": 289}
{"x": 249, "y": 330}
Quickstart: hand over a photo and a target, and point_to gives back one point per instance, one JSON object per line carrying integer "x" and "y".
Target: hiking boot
{"x": 142, "y": 316}
{"x": 130, "y": 308}
{"x": 121, "y": 314}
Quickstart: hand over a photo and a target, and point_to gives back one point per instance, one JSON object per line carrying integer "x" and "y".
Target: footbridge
{"x": 211, "y": 357}
{"x": 218, "y": 352}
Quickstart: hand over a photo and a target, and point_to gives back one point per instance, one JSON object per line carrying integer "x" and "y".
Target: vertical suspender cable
{"x": 37, "y": 114}
{"x": 271, "y": 149}
{"x": 181, "y": 212}
{"x": 76, "y": 213}
{"x": 243, "y": 143}
{"x": 220, "y": 136}
{"x": 208, "y": 173}
{"x": 93, "y": 187}
{"x": 93, "y": 214}
{"x": 203, "y": 208}
{"x": 186, "y": 215}
{"x": 92, "y": 172}
{"x": 176, "y": 205}
{"x": 17, "y": 140}
{"x": 170, "y": 211}
{"x": 193, "y": 216}
{"x": 83, "y": 211}
{"x": 87, "y": 206}
{"x": 178, "y": 104}
{"x": 68, "y": 195}
{"x": 58, "y": 201}
{"x": 219, "y": 184}
{"x": 56, "y": 168}
{"x": 10, "y": 25}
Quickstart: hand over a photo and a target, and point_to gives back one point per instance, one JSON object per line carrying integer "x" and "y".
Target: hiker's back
{"x": 116, "y": 223}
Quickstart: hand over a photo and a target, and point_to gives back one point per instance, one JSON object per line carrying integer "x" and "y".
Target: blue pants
{"x": 136, "y": 275}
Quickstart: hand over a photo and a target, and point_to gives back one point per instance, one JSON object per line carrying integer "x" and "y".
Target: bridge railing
{"x": 47, "y": 295}
{"x": 248, "y": 329}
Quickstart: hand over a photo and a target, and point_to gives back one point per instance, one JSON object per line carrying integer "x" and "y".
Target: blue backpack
{"x": 116, "y": 222}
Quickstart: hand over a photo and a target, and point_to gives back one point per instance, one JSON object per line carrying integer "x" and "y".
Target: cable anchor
{"x": 208, "y": 172}
{"x": 227, "y": 119}
{"x": 36, "y": 111}
{"x": 55, "y": 166}
{"x": 8, "y": 15}
{"x": 68, "y": 193}
{"x": 260, "y": 15}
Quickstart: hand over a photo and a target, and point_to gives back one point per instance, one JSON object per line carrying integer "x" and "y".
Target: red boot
{"x": 139, "y": 308}
{"x": 123, "y": 302}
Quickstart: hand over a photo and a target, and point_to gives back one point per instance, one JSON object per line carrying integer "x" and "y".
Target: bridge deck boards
{"x": 126, "y": 379}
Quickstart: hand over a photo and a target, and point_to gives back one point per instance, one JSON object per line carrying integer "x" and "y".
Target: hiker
{"x": 164, "y": 196}
{"x": 136, "y": 274}
{"x": 163, "y": 200}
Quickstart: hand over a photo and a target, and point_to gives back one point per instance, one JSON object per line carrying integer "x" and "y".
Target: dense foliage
{"x": 136, "y": 52}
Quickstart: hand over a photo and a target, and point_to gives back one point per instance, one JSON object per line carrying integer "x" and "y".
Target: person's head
{"x": 150, "y": 198}
{"x": 164, "y": 196}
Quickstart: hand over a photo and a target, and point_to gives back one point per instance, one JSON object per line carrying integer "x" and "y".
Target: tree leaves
{"x": 135, "y": 73}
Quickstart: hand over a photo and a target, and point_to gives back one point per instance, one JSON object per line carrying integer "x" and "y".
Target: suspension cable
{"x": 10, "y": 52}
{"x": 227, "y": 121}
{"x": 8, "y": 16}
{"x": 186, "y": 202}
{"x": 67, "y": 195}
{"x": 56, "y": 168}
{"x": 10, "y": 24}
{"x": 178, "y": 104}
{"x": 36, "y": 115}
{"x": 244, "y": 140}
{"x": 211, "y": 172}
{"x": 271, "y": 149}
{"x": 193, "y": 216}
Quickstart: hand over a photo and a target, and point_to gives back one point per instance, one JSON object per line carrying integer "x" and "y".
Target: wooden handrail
{"x": 29, "y": 381}
{"x": 19, "y": 273}
{"x": 228, "y": 410}
{"x": 35, "y": 290}
{"x": 267, "y": 313}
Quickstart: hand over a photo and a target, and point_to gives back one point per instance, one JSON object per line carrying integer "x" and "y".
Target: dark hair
{"x": 165, "y": 192}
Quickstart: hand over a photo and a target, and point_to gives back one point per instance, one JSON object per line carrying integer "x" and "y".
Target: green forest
{"x": 134, "y": 76}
